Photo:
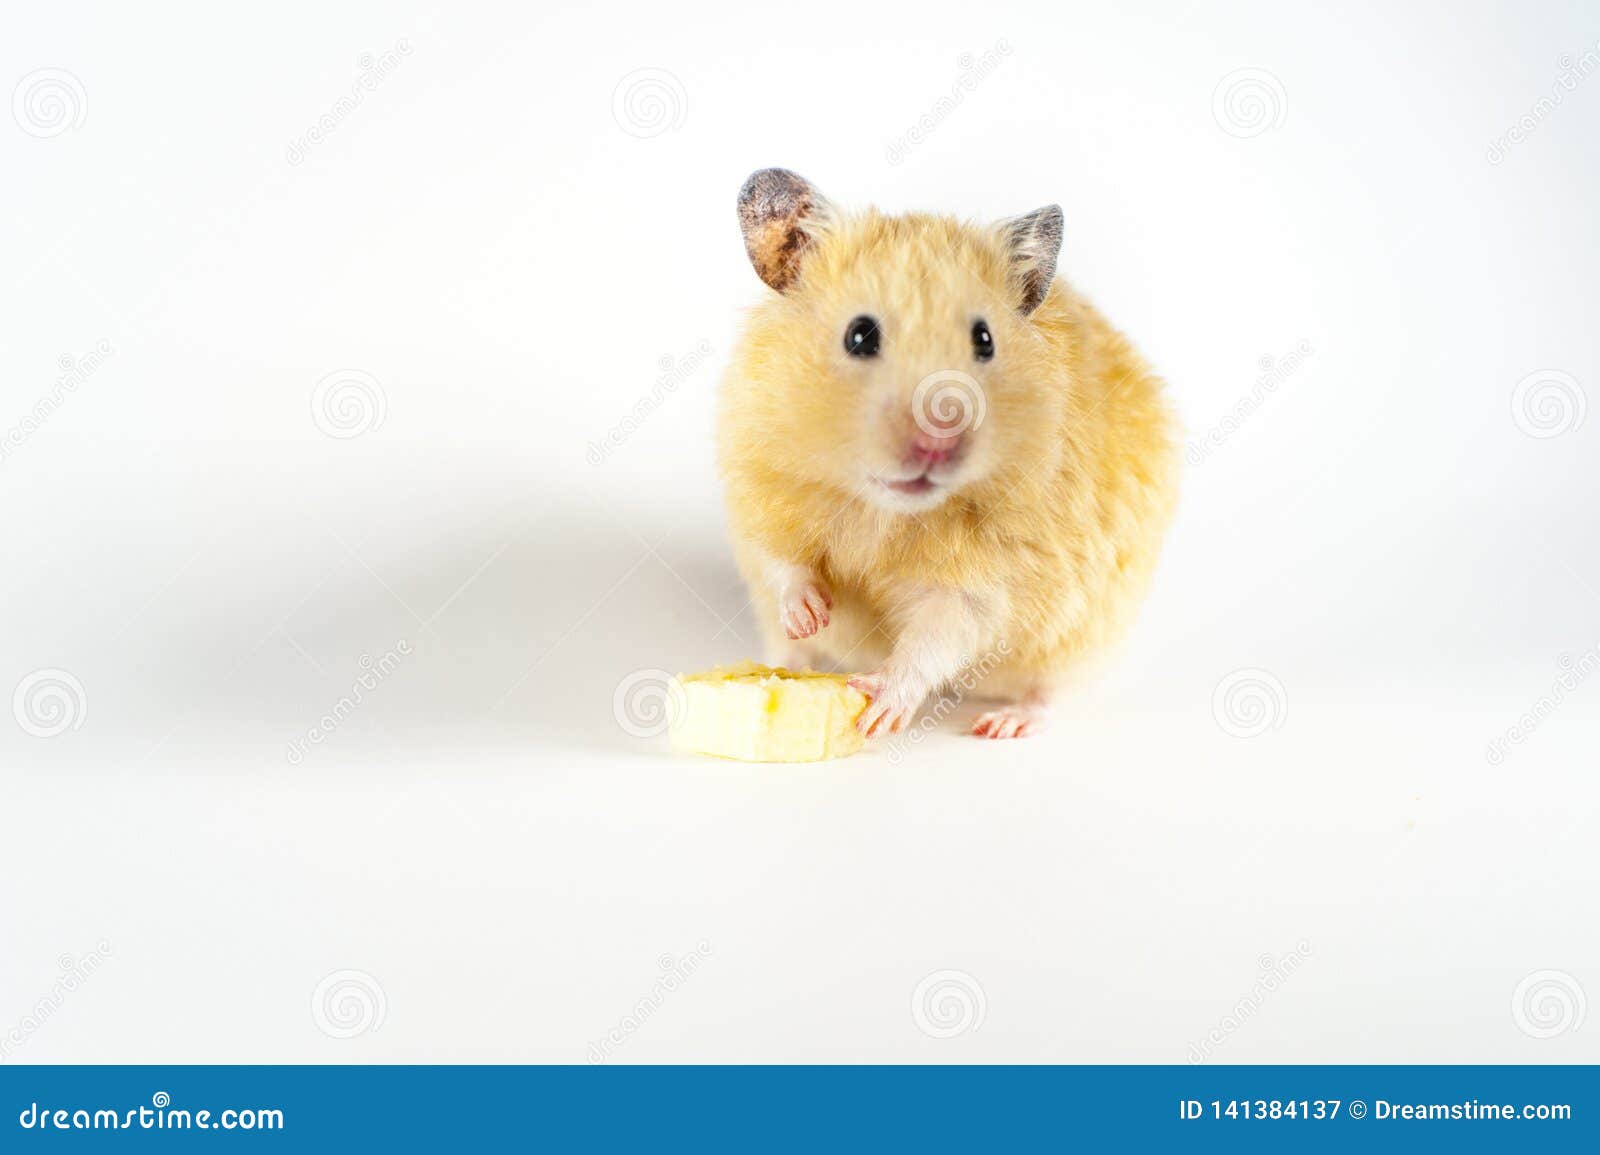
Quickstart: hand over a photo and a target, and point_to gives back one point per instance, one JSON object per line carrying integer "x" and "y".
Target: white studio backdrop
{"x": 379, "y": 347}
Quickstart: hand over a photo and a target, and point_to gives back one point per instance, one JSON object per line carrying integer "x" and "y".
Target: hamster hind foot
{"x": 1014, "y": 719}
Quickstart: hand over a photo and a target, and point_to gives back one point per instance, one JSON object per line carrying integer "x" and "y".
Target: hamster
{"x": 940, "y": 461}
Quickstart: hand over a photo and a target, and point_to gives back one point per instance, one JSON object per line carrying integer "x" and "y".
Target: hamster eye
{"x": 982, "y": 340}
{"x": 861, "y": 337}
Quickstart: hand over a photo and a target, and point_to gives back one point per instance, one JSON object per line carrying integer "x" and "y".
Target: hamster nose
{"x": 932, "y": 448}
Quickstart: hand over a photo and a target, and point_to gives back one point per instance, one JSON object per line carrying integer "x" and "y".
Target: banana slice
{"x": 764, "y": 714}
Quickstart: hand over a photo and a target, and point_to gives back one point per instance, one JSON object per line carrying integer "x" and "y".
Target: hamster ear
{"x": 1034, "y": 242}
{"x": 780, "y": 214}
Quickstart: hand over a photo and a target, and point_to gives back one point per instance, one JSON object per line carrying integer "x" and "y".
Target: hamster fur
{"x": 924, "y": 513}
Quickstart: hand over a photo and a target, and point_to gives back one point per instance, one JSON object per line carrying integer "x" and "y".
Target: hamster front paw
{"x": 894, "y": 702}
{"x": 803, "y": 607}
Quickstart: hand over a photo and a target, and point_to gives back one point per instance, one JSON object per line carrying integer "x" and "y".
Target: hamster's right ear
{"x": 781, "y": 215}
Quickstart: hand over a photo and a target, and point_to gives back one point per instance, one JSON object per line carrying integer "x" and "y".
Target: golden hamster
{"x": 941, "y": 462}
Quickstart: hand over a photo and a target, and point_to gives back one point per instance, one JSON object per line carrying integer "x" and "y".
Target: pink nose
{"x": 934, "y": 447}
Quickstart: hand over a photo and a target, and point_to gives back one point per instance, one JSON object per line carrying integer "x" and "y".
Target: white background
{"x": 510, "y": 249}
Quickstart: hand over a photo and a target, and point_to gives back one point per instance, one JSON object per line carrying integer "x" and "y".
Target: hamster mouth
{"x": 912, "y": 488}
{"x": 908, "y": 495}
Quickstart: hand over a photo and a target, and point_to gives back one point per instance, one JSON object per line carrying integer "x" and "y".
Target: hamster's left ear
{"x": 780, "y": 214}
{"x": 1034, "y": 242}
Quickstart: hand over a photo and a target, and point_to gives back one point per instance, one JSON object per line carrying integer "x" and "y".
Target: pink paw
{"x": 803, "y": 608}
{"x": 1012, "y": 721}
{"x": 893, "y": 704}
